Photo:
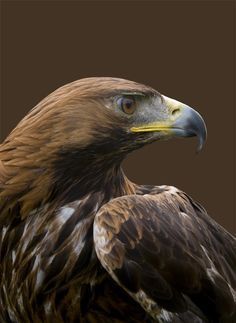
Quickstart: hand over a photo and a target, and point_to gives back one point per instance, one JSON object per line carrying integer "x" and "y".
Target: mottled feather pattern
{"x": 44, "y": 258}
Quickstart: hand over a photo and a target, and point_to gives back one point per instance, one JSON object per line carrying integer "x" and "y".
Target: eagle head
{"x": 84, "y": 128}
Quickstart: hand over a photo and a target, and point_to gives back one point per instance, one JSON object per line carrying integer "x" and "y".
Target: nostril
{"x": 175, "y": 112}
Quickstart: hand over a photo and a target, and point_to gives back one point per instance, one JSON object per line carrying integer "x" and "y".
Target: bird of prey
{"x": 79, "y": 242}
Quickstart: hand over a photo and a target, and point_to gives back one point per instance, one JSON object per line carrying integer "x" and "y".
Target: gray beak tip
{"x": 202, "y": 136}
{"x": 192, "y": 124}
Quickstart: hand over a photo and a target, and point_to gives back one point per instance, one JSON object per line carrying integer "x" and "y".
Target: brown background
{"x": 183, "y": 49}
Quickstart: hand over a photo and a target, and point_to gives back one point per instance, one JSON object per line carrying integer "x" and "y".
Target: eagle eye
{"x": 127, "y": 104}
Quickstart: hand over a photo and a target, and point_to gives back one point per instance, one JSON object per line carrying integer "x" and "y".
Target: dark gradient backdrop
{"x": 185, "y": 49}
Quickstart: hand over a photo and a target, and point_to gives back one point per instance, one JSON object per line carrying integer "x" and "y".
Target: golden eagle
{"x": 79, "y": 242}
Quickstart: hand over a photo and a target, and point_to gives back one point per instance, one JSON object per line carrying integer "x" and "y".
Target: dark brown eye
{"x": 127, "y": 105}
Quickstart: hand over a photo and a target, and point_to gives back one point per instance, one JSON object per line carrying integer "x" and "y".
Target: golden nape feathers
{"x": 79, "y": 242}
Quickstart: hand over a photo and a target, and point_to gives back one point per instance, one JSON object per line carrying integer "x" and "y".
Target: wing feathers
{"x": 156, "y": 244}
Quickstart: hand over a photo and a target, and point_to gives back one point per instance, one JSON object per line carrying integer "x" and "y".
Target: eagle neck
{"x": 109, "y": 181}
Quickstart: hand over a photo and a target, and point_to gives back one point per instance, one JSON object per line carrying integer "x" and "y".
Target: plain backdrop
{"x": 184, "y": 49}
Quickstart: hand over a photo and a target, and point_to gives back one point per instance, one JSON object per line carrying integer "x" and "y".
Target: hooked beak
{"x": 181, "y": 121}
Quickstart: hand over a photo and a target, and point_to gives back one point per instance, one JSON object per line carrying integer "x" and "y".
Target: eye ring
{"x": 127, "y": 104}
